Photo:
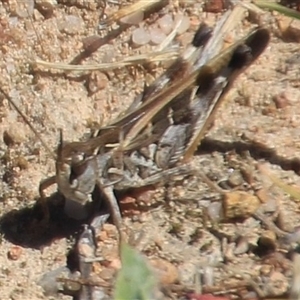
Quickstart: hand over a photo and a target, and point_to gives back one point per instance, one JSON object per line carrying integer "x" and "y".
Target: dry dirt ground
{"x": 259, "y": 124}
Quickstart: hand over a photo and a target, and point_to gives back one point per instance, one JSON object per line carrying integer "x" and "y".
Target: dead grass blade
{"x": 166, "y": 55}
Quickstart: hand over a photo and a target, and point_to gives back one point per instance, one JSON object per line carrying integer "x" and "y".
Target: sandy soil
{"x": 258, "y": 124}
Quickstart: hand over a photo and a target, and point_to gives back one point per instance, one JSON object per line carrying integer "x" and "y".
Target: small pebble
{"x": 214, "y": 211}
{"x": 89, "y": 40}
{"x": 157, "y": 35}
{"x": 235, "y": 179}
{"x": 140, "y": 37}
{"x": 271, "y": 205}
{"x": 46, "y": 7}
{"x": 14, "y": 253}
{"x": 213, "y": 6}
{"x": 166, "y": 271}
{"x": 166, "y": 24}
{"x": 70, "y": 24}
{"x": 97, "y": 81}
{"x": 109, "y": 54}
{"x": 281, "y": 101}
{"x": 14, "y": 134}
{"x": 239, "y": 204}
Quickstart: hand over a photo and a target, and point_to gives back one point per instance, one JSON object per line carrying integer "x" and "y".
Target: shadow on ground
{"x": 255, "y": 149}
{"x": 28, "y": 227}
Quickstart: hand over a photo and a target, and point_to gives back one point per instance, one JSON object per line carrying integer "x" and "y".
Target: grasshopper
{"x": 154, "y": 139}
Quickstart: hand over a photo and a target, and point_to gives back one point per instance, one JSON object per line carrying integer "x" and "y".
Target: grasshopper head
{"x": 76, "y": 177}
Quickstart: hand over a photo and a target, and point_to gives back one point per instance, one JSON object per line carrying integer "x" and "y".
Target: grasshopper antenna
{"x": 13, "y": 103}
{"x": 60, "y": 147}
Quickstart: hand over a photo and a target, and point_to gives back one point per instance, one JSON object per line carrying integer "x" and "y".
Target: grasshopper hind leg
{"x": 108, "y": 193}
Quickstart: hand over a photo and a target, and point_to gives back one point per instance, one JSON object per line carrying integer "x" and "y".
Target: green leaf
{"x": 277, "y": 7}
{"x": 135, "y": 280}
